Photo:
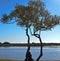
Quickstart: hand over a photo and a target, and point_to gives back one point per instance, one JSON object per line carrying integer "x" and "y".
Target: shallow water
{"x": 18, "y": 53}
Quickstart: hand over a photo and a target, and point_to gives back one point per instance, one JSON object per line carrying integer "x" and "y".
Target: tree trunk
{"x": 28, "y": 43}
{"x": 41, "y": 52}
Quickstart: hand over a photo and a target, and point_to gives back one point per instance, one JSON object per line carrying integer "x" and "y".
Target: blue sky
{"x": 16, "y": 34}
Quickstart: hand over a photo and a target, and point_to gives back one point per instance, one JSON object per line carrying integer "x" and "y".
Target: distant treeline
{"x": 7, "y": 44}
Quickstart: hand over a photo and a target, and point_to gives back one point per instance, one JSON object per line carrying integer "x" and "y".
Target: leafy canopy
{"x": 35, "y": 15}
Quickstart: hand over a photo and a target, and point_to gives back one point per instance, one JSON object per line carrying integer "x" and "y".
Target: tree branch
{"x": 31, "y": 31}
{"x": 36, "y": 35}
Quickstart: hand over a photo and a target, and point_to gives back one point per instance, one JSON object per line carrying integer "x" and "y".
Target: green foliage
{"x": 43, "y": 20}
{"x": 5, "y": 18}
{"x": 35, "y": 14}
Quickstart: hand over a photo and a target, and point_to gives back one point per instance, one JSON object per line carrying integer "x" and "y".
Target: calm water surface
{"x": 18, "y": 53}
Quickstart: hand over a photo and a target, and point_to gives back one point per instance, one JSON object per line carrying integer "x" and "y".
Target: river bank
{"x": 7, "y": 44}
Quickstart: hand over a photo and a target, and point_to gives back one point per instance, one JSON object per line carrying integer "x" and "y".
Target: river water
{"x": 18, "y": 53}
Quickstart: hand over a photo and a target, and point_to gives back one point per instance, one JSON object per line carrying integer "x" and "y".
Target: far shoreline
{"x": 26, "y": 45}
